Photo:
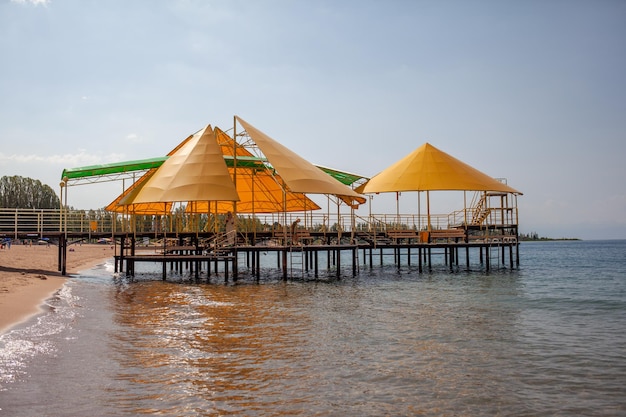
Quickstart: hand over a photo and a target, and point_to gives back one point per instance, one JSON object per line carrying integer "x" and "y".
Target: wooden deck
{"x": 405, "y": 247}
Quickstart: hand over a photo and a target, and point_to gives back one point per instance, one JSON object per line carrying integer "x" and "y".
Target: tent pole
{"x": 397, "y": 210}
{"x": 125, "y": 211}
{"x": 306, "y": 220}
{"x": 195, "y": 219}
{"x": 428, "y": 209}
{"x": 253, "y": 208}
{"x": 215, "y": 225}
{"x": 339, "y": 228}
{"x": 465, "y": 208}
{"x": 371, "y": 221}
{"x": 133, "y": 216}
{"x": 328, "y": 211}
{"x": 62, "y": 184}
{"x": 352, "y": 227}
{"x": 283, "y": 187}
{"x": 164, "y": 228}
{"x": 235, "y": 217}
{"x": 419, "y": 210}
{"x": 235, "y": 173}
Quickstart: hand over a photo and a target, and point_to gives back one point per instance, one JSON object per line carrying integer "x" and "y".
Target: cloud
{"x": 134, "y": 138}
{"x": 35, "y": 2}
{"x": 67, "y": 160}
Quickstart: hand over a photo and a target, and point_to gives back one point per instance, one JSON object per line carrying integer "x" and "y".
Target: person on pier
{"x": 231, "y": 233}
{"x": 294, "y": 232}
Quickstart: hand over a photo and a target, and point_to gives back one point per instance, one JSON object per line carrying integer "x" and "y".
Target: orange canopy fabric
{"x": 429, "y": 169}
{"x": 259, "y": 188}
{"x": 140, "y": 208}
{"x": 298, "y": 174}
{"x": 194, "y": 172}
{"x": 119, "y": 206}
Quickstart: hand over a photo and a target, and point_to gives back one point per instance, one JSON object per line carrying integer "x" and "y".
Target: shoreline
{"x": 29, "y": 276}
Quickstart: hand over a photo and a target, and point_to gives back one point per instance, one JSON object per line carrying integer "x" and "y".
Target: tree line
{"x": 26, "y": 193}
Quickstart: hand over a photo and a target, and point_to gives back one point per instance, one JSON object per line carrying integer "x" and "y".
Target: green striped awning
{"x": 146, "y": 164}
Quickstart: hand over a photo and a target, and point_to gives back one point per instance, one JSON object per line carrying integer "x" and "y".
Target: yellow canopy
{"x": 118, "y": 206}
{"x": 259, "y": 187}
{"x": 261, "y": 203}
{"x": 194, "y": 172}
{"x": 429, "y": 169}
{"x": 298, "y": 174}
{"x": 140, "y": 208}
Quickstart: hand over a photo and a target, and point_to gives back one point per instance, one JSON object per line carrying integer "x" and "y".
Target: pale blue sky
{"x": 533, "y": 91}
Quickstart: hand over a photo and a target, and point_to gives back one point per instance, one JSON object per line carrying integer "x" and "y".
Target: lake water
{"x": 546, "y": 339}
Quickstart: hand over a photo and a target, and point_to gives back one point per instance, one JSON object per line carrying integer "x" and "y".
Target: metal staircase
{"x": 296, "y": 261}
{"x": 481, "y": 211}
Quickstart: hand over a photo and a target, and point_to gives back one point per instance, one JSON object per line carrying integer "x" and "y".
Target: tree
{"x": 26, "y": 193}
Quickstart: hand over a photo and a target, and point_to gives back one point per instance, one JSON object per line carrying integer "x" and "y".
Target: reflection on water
{"x": 535, "y": 341}
{"x": 222, "y": 344}
{"x": 366, "y": 347}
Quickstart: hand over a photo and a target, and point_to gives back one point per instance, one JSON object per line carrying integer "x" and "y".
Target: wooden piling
{"x": 190, "y": 259}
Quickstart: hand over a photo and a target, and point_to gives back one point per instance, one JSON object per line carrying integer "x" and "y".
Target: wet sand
{"x": 29, "y": 275}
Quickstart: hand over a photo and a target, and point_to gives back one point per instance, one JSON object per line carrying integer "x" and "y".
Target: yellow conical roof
{"x": 194, "y": 172}
{"x": 429, "y": 169}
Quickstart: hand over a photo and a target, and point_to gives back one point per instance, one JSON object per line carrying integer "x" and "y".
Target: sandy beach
{"x": 29, "y": 275}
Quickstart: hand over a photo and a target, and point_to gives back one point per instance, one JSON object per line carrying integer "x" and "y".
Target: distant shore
{"x": 29, "y": 275}
{"x": 546, "y": 239}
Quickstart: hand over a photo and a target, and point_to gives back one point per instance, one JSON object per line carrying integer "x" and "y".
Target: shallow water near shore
{"x": 548, "y": 338}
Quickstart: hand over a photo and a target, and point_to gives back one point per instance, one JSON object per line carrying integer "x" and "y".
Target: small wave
{"x": 19, "y": 345}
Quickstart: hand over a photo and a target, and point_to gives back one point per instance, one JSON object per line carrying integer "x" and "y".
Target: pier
{"x": 218, "y": 200}
{"x": 320, "y": 247}
{"x": 189, "y": 255}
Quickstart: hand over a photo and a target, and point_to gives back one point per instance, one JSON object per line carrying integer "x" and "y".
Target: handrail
{"x": 42, "y": 221}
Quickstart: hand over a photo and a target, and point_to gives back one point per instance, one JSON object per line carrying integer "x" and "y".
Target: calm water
{"x": 547, "y": 339}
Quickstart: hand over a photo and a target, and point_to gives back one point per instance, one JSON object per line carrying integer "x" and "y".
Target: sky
{"x": 530, "y": 91}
